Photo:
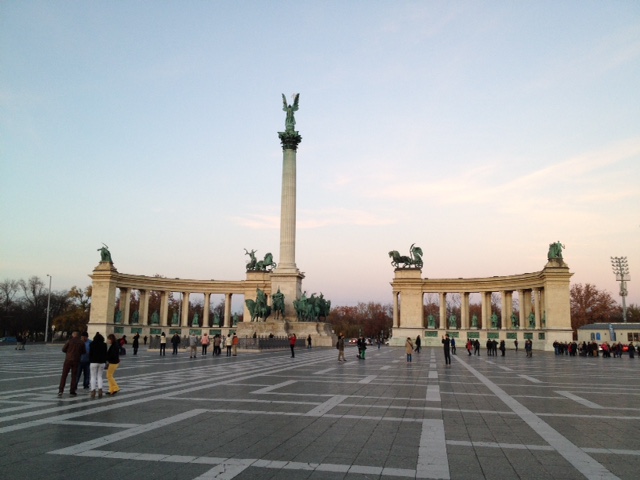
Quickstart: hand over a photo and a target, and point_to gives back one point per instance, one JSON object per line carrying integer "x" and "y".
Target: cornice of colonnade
{"x": 407, "y": 279}
{"x": 144, "y": 282}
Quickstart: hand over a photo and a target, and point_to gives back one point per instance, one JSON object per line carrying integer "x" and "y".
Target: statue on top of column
{"x": 414, "y": 260}
{"x": 555, "y": 251}
{"x": 105, "y": 255}
{"x": 290, "y": 121}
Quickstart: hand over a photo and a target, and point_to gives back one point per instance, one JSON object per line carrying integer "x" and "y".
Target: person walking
{"x": 309, "y": 341}
{"x": 74, "y": 348}
{"x": 234, "y": 343}
{"x": 136, "y": 343}
{"x": 476, "y": 347}
{"x": 226, "y": 342}
{"x": 205, "y": 344}
{"x": 193, "y": 346}
{"x": 515, "y": 343}
{"x": 84, "y": 370}
{"x": 216, "y": 344}
{"x": 446, "y": 343}
{"x": 113, "y": 358}
{"x": 292, "y": 344}
{"x": 340, "y": 347}
{"x": 453, "y": 345}
{"x": 418, "y": 344}
{"x": 408, "y": 347}
{"x": 163, "y": 344}
{"x": 145, "y": 340}
{"x": 469, "y": 346}
{"x": 175, "y": 341}
{"x": 503, "y": 348}
{"x": 97, "y": 359}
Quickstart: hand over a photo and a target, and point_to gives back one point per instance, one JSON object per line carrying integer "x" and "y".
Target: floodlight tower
{"x": 621, "y": 270}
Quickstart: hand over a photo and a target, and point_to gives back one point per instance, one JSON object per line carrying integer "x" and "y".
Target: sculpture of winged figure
{"x": 290, "y": 121}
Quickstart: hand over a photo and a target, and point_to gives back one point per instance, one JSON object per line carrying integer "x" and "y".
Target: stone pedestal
{"x": 103, "y": 300}
{"x": 321, "y": 333}
{"x": 289, "y": 282}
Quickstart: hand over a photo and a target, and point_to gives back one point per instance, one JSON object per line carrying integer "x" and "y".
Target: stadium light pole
{"x": 46, "y": 328}
{"x": 621, "y": 270}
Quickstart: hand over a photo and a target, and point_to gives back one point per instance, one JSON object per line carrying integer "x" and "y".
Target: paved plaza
{"x": 266, "y": 415}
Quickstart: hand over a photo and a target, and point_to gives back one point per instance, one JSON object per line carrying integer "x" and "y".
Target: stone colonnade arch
{"x": 544, "y": 312}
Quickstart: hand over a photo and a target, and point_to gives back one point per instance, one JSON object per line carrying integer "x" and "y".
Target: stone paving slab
{"x": 262, "y": 416}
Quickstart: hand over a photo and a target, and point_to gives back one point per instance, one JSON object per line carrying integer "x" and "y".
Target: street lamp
{"x": 46, "y": 328}
{"x": 621, "y": 270}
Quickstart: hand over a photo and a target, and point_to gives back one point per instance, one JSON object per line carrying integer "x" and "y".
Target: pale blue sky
{"x": 481, "y": 131}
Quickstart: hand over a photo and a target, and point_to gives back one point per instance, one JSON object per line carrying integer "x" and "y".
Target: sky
{"x": 480, "y": 131}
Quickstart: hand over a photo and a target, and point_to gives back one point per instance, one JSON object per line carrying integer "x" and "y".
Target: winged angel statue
{"x": 290, "y": 121}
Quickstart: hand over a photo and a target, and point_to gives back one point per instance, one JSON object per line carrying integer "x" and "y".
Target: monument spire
{"x": 286, "y": 277}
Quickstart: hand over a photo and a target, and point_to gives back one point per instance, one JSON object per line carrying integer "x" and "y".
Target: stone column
{"x": 395, "y": 310}
{"x": 184, "y": 322}
{"x": 543, "y": 309}
{"x": 521, "y": 315}
{"x": 486, "y": 310}
{"x": 227, "y": 310}
{"x": 443, "y": 311}
{"x": 205, "y": 312}
{"x": 144, "y": 307}
{"x": 126, "y": 293}
{"x": 464, "y": 311}
{"x": 103, "y": 299}
{"x": 504, "y": 314}
{"x": 536, "y": 305}
{"x": 164, "y": 308}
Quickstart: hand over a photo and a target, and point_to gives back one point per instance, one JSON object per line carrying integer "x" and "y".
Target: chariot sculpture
{"x": 414, "y": 260}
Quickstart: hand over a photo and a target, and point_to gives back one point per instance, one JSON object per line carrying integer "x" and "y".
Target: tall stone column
{"x": 164, "y": 308}
{"x": 205, "y": 312}
{"x": 144, "y": 307}
{"x": 464, "y": 310}
{"x": 227, "y": 310}
{"x": 521, "y": 313}
{"x": 125, "y": 297}
{"x": 536, "y": 306}
{"x": 486, "y": 310}
{"x": 286, "y": 277}
{"x": 395, "y": 310}
{"x": 185, "y": 310}
{"x": 443, "y": 311}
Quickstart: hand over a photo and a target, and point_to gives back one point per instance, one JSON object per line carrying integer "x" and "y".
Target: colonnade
{"x": 544, "y": 293}
{"x": 163, "y": 314}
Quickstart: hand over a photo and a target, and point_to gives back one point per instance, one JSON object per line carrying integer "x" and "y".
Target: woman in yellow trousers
{"x": 113, "y": 358}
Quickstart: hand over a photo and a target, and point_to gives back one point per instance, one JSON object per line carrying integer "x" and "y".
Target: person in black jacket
{"x": 113, "y": 358}
{"x": 97, "y": 359}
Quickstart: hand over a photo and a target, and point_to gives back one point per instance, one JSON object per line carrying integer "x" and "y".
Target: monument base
{"x": 321, "y": 333}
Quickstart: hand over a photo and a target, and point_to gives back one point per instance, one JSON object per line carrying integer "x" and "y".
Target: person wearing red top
{"x": 292, "y": 344}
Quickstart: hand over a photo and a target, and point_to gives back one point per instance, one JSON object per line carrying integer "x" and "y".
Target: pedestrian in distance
{"x": 145, "y": 340}
{"x": 216, "y": 344}
{"x": 113, "y": 358}
{"x": 292, "y": 344}
{"x": 175, "y": 341}
{"x": 476, "y": 347}
{"x": 163, "y": 344}
{"x": 340, "y": 347}
{"x": 446, "y": 344}
{"x": 418, "y": 344}
{"x": 408, "y": 347}
{"x": 73, "y": 349}
{"x": 469, "y": 346}
{"x": 234, "y": 343}
{"x": 453, "y": 345}
{"x": 515, "y": 343}
{"x": 123, "y": 342}
{"x": 227, "y": 343}
{"x": 84, "y": 370}
{"x": 136, "y": 343}
{"x": 205, "y": 344}
{"x": 97, "y": 359}
{"x": 502, "y": 347}
{"x": 309, "y": 341}
{"x": 193, "y": 346}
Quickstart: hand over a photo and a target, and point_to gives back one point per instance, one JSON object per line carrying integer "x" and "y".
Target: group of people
{"x": 88, "y": 358}
{"x": 230, "y": 343}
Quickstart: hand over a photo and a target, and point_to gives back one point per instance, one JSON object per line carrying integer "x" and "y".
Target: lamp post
{"x": 46, "y": 328}
{"x": 621, "y": 270}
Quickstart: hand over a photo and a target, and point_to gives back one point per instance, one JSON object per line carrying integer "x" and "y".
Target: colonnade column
{"x": 504, "y": 310}
{"x": 486, "y": 310}
{"x": 536, "y": 305}
{"x": 164, "y": 308}
{"x": 443, "y": 310}
{"x": 144, "y": 307}
{"x": 521, "y": 314}
{"x": 126, "y": 320}
{"x": 184, "y": 321}
{"x": 205, "y": 312}
{"x": 464, "y": 310}
{"x": 395, "y": 310}
{"x": 227, "y": 310}
{"x": 543, "y": 309}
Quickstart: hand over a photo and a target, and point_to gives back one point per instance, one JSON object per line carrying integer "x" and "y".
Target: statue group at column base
{"x": 321, "y": 333}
